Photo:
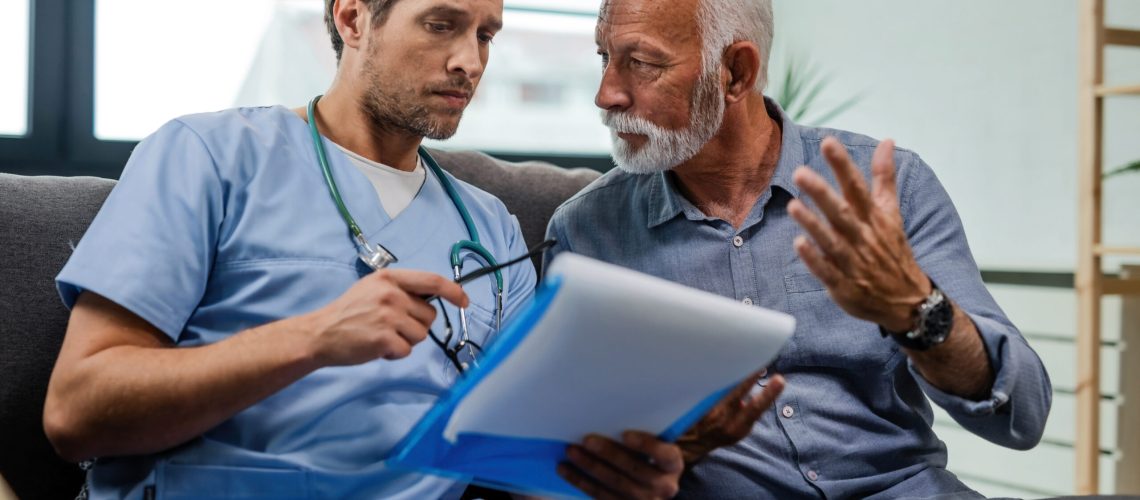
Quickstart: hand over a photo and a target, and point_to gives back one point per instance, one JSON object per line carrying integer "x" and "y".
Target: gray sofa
{"x": 42, "y": 217}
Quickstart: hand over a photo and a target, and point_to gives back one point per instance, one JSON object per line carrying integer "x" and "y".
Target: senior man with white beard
{"x": 713, "y": 191}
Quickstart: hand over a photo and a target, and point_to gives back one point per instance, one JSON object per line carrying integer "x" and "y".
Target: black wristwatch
{"x": 934, "y": 320}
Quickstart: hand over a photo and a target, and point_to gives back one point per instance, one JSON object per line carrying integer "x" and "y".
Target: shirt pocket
{"x": 827, "y": 337}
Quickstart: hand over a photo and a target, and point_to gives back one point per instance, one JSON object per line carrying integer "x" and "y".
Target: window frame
{"x": 61, "y": 118}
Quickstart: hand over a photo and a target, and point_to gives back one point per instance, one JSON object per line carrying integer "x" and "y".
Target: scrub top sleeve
{"x": 151, "y": 245}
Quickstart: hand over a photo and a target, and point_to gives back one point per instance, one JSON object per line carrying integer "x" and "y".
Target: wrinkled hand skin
{"x": 731, "y": 419}
{"x": 641, "y": 466}
{"x": 858, "y": 248}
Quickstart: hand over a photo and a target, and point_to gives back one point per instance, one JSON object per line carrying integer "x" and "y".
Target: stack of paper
{"x": 601, "y": 350}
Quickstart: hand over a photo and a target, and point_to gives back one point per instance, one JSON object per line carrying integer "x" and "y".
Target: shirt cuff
{"x": 995, "y": 338}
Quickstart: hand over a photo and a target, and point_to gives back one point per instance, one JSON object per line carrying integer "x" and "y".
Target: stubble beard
{"x": 395, "y": 105}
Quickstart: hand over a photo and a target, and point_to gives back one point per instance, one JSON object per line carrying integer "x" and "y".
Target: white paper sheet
{"x": 619, "y": 350}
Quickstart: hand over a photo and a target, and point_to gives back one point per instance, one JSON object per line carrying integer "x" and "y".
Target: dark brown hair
{"x": 378, "y": 8}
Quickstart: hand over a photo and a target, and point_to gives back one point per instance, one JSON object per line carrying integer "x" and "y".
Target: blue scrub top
{"x": 222, "y": 222}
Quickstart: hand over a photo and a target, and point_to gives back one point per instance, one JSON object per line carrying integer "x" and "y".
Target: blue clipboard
{"x": 507, "y": 463}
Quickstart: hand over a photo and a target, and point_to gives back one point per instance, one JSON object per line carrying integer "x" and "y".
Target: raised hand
{"x": 861, "y": 252}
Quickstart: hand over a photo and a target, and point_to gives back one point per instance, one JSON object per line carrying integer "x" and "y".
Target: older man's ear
{"x": 742, "y": 63}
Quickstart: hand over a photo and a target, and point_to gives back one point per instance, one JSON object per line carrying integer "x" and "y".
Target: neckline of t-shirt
{"x": 417, "y": 172}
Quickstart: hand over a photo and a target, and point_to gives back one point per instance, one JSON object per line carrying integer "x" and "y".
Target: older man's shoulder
{"x": 614, "y": 187}
{"x": 861, "y": 148}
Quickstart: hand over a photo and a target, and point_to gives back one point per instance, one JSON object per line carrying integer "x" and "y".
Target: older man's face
{"x": 660, "y": 106}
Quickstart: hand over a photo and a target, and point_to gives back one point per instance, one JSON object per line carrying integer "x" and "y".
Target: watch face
{"x": 938, "y": 322}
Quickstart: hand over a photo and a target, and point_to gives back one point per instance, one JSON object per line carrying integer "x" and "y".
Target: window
{"x": 536, "y": 95}
{"x": 538, "y": 91}
{"x": 206, "y": 55}
{"x": 14, "y": 32}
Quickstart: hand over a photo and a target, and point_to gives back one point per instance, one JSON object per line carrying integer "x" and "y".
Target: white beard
{"x": 665, "y": 149}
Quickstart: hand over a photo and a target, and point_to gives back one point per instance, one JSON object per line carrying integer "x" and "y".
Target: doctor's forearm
{"x": 135, "y": 399}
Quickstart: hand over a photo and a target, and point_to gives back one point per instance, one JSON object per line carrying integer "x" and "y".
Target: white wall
{"x": 986, "y": 92}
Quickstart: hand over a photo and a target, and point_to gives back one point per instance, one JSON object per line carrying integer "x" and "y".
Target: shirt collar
{"x": 665, "y": 202}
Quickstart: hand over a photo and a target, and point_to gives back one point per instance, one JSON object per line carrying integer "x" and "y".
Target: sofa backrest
{"x": 530, "y": 190}
{"x": 41, "y": 218}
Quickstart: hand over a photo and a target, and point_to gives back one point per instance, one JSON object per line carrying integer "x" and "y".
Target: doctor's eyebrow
{"x": 448, "y": 11}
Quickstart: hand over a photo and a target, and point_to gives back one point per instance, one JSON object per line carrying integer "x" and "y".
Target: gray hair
{"x": 724, "y": 22}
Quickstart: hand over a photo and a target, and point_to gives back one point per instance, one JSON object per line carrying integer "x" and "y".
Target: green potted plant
{"x": 1131, "y": 167}
{"x": 797, "y": 89}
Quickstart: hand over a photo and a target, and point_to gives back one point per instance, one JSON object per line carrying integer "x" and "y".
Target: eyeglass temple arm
{"x": 535, "y": 250}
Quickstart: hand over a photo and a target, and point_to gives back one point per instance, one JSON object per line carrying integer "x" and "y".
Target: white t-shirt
{"x": 396, "y": 188}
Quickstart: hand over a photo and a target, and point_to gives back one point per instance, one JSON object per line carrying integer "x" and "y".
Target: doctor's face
{"x": 421, "y": 67}
{"x": 661, "y": 104}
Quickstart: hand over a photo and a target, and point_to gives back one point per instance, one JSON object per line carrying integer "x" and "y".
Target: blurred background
{"x": 986, "y": 92}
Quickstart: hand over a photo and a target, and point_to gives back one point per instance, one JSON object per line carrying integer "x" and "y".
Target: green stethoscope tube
{"x": 471, "y": 244}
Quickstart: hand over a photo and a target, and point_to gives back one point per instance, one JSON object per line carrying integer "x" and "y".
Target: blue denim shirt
{"x": 854, "y": 420}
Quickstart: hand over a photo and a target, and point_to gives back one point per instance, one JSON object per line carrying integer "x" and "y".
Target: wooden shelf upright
{"x": 1091, "y": 283}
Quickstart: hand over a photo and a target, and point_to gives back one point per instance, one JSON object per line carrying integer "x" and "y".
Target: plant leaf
{"x": 1131, "y": 167}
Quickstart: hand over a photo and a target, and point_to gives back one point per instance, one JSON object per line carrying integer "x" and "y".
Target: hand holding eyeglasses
{"x": 381, "y": 316}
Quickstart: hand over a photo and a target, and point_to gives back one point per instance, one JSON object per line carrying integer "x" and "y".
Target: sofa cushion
{"x": 40, "y": 219}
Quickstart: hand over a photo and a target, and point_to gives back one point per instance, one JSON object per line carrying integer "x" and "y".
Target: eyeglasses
{"x": 464, "y": 352}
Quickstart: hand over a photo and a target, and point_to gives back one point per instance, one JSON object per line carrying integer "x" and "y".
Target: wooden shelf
{"x": 1116, "y": 286}
{"x": 1105, "y": 91}
{"x": 1122, "y": 37}
{"x": 1103, "y": 251}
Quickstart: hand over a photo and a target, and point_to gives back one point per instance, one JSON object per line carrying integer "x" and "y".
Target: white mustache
{"x": 626, "y": 123}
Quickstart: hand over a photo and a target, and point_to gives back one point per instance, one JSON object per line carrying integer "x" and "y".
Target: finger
{"x": 883, "y": 175}
{"x": 605, "y": 467}
{"x": 760, "y": 403}
{"x": 421, "y": 284}
{"x": 849, "y": 177}
{"x": 838, "y": 211}
{"x": 396, "y": 348}
{"x": 583, "y": 482}
{"x": 663, "y": 456}
{"x": 817, "y": 263}
{"x": 414, "y": 307}
{"x": 410, "y": 329}
{"x": 741, "y": 391}
{"x": 421, "y": 311}
{"x": 823, "y": 235}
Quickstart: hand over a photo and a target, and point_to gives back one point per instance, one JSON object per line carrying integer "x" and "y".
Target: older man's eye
{"x": 438, "y": 27}
{"x": 605, "y": 59}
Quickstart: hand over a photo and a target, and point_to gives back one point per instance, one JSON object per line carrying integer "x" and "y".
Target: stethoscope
{"x": 378, "y": 257}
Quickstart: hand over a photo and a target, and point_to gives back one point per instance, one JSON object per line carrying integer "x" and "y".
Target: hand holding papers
{"x": 601, "y": 350}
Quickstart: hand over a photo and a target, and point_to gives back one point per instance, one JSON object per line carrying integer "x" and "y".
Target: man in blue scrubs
{"x": 714, "y": 192}
{"x": 225, "y": 339}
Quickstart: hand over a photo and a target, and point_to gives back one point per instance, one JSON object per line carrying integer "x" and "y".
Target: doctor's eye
{"x": 438, "y": 27}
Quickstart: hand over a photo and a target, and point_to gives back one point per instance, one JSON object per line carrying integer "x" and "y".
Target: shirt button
{"x": 737, "y": 241}
{"x": 812, "y": 475}
{"x": 747, "y": 301}
{"x": 787, "y": 411}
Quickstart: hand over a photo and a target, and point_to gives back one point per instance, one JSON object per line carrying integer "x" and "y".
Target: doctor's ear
{"x": 742, "y": 61}
{"x": 350, "y": 17}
